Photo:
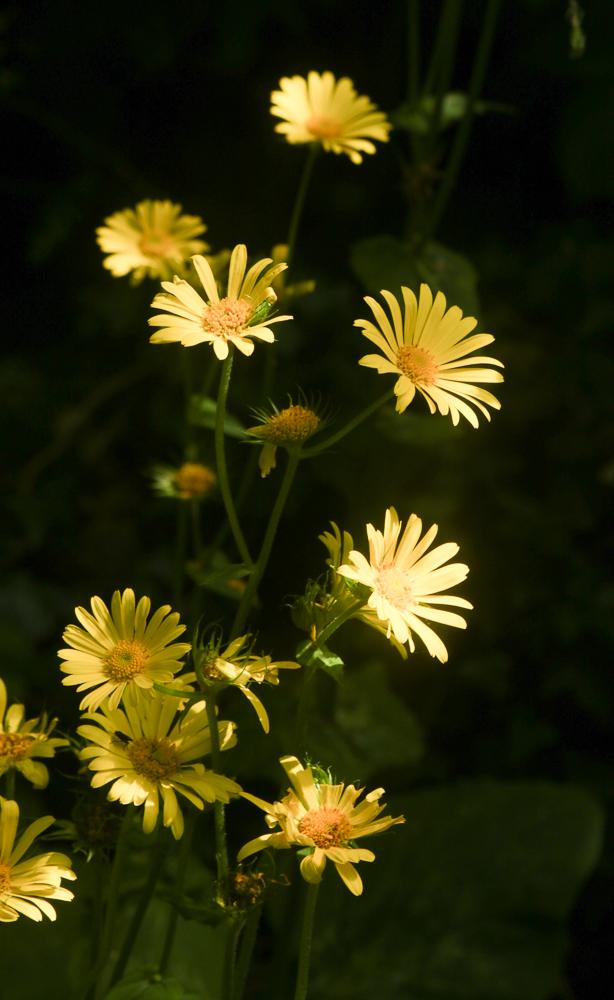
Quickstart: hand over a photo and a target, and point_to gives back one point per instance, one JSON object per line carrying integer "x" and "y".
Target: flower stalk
{"x": 304, "y": 953}
{"x": 220, "y": 457}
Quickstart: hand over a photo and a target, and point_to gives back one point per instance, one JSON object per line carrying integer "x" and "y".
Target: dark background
{"x": 501, "y": 759}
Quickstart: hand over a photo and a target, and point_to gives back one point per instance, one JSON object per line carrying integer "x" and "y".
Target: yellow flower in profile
{"x": 323, "y": 818}
{"x": 191, "y": 481}
{"x": 428, "y": 347}
{"x": 149, "y": 751}
{"x": 151, "y": 240}
{"x": 27, "y": 886}
{"x": 238, "y": 666}
{"x": 241, "y": 314}
{"x": 287, "y": 428}
{"x": 328, "y": 111}
{"x": 119, "y": 650}
{"x": 21, "y": 741}
{"x": 406, "y": 581}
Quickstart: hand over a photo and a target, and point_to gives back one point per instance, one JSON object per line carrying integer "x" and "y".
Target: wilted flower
{"x": 427, "y": 347}
{"x": 406, "y": 581}
{"x": 243, "y": 313}
{"x": 328, "y": 111}
{"x": 118, "y": 650}
{"x": 288, "y": 428}
{"x": 323, "y": 819}
{"x": 21, "y": 741}
{"x": 153, "y": 239}
{"x": 27, "y": 886}
{"x": 148, "y": 750}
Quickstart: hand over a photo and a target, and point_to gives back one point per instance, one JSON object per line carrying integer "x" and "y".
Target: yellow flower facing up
{"x": 242, "y": 314}
{"x": 191, "y": 481}
{"x": 328, "y": 111}
{"x": 27, "y": 886}
{"x": 21, "y": 741}
{"x": 147, "y": 750}
{"x": 406, "y": 581}
{"x": 323, "y": 817}
{"x": 287, "y": 428}
{"x": 427, "y": 346}
{"x": 151, "y": 240}
{"x": 119, "y": 650}
{"x": 239, "y": 667}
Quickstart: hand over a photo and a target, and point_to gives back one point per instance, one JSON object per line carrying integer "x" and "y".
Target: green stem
{"x": 121, "y": 850}
{"x": 246, "y": 950}
{"x": 304, "y": 954}
{"x": 438, "y": 52}
{"x": 299, "y": 202}
{"x": 337, "y": 622}
{"x": 180, "y": 550}
{"x": 267, "y": 543}
{"x": 180, "y": 877}
{"x": 350, "y": 426}
{"x": 230, "y": 959}
{"x": 219, "y": 817}
{"x": 450, "y": 20}
{"x": 197, "y": 539}
{"x": 462, "y": 134}
{"x": 220, "y": 458}
{"x": 141, "y": 908}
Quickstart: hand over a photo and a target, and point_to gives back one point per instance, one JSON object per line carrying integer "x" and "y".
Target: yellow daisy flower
{"x": 287, "y": 428}
{"x": 21, "y": 741}
{"x": 117, "y": 651}
{"x": 241, "y": 314}
{"x": 428, "y": 348}
{"x": 329, "y": 111}
{"x": 238, "y": 667}
{"x": 151, "y": 240}
{"x": 406, "y": 581}
{"x": 325, "y": 817}
{"x": 191, "y": 481}
{"x": 27, "y": 886}
{"x": 148, "y": 750}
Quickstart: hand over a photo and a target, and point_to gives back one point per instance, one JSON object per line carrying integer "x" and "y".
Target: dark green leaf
{"x": 203, "y": 413}
{"x": 310, "y": 655}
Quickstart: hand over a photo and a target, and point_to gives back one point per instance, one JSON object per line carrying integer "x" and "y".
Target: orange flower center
{"x": 5, "y": 878}
{"x": 154, "y": 759}
{"x": 127, "y": 658}
{"x": 194, "y": 480}
{"x": 323, "y": 128}
{"x": 292, "y": 425}
{"x": 326, "y": 827}
{"x": 419, "y": 365}
{"x": 156, "y": 245}
{"x": 394, "y": 586}
{"x": 14, "y": 745}
{"x": 227, "y": 317}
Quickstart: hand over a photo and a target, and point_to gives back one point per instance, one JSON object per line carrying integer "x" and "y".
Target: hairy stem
{"x": 220, "y": 458}
{"x": 219, "y": 816}
{"x": 304, "y": 954}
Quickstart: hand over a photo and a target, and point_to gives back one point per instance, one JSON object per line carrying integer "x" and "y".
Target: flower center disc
{"x": 295, "y": 423}
{"x": 127, "y": 658}
{"x": 226, "y": 317}
{"x": 156, "y": 245}
{"x": 323, "y": 128}
{"x": 326, "y": 827}
{"x": 14, "y": 745}
{"x": 417, "y": 364}
{"x": 194, "y": 480}
{"x": 394, "y": 586}
{"x": 154, "y": 759}
{"x": 5, "y": 879}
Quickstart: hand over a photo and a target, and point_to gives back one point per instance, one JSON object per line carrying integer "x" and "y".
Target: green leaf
{"x": 387, "y": 262}
{"x": 218, "y": 574}
{"x": 202, "y": 413}
{"x": 320, "y": 657}
{"x": 418, "y": 118}
{"x": 476, "y": 888}
{"x": 149, "y": 985}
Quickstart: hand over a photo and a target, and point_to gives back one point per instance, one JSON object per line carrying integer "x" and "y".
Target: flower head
{"x": 27, "y": 886}
{"x": 119, "y": 650}
{"x": 151, "y": 240}
{"x": 21, "y": 741}
{"x": 323, "y": 818}
{"x": 287, "y": 428}
{"x": 328, "y": 111}
{"x": 243, "y": 313}
{"x": 238, "y": 666}
{"x": 406, "y": 581}
{"x": 147, "y": 750}
{"x": 191, "y": 481}
{"x": 428, "y": 348}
